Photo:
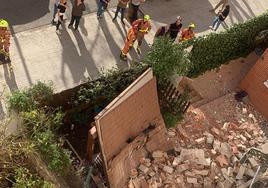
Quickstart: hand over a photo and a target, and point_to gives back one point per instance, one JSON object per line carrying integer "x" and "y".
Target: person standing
{"x": 61, "y": 11}
{"x": 102, "y": 5}
{"x": 220, "y": 18}
{"x": 5, "y": 36}
{"x": 222, "y": 2}
{"x": 77, "y": 12}
{"x": 121, "y": 6}
{"x": 135, "y": 4}
{"x": 137, "y": 31}
{"x": 171, "y": 30}
{"x": 55, "y": 10}
{"x": 188, "y": 33}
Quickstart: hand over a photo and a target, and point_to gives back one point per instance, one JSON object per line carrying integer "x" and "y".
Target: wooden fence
{"x": 171, "y": 99}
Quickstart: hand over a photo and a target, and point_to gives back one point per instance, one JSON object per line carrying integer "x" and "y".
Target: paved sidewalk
{"x": 69, "y": 58}
{"x": 28, "y": 14}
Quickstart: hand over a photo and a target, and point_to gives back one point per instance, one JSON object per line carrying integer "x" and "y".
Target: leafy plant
{"x": 25, "y": 179}
{"x": 103, "y": 90}
{"x": 213, "y": 50}
{"x": 39, "y": 120}
{"x": 58, "y": 159}
{"x": 36, "y": 96}
{"x": 20, "y": 101}
{"x": 41, "y": 93}
{"x": 167, "y": 58}
{"x": 170, "y": 119}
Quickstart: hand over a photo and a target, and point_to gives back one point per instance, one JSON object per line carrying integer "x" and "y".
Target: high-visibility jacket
{"x": 186, "y": 35}
{"x": 141, "y": 26}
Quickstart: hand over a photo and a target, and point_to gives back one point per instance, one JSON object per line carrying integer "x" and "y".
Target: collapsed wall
{"x": 130, "y": 127}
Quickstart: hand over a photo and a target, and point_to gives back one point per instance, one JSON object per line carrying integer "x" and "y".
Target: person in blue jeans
{"x": 220, "y": 18}
{"x": 102, "y": 5}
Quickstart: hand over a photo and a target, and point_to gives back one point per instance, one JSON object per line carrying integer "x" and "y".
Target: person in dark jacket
{"x": 77, "y": 12}
{"x": 220, "y": 18}
{"x": 171, "y": 30}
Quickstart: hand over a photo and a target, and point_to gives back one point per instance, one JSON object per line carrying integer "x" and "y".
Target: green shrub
{"x": 39, "y": 120}
{"x": 41, "y": 93}
{"x": 103, "y": 90}
{"x": 24, "y": 179}
{"x": 26, "y": 100}
{"x": 20, "y": 101}
{"x": 58, "y": 159}
{"x": 170, "y": 119}
{"x": 166, "y": 58}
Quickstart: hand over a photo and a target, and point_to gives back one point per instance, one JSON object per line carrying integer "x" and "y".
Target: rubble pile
{"x": 207, "y": 157}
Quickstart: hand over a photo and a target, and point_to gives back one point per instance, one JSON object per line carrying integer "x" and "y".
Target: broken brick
{"x": 222, "y": 160}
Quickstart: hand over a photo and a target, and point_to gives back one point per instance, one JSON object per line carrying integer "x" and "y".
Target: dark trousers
{"x": 119, "y": 9}
{"x": 76, "y": 19}
{"x": 135, "y": 9}
{"x": 60, "y": 21}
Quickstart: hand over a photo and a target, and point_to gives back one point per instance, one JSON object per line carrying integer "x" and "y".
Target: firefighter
{"x": 4, "y": 39}
{"x": 137, "y": 31}
{"x": 187, "y": 33}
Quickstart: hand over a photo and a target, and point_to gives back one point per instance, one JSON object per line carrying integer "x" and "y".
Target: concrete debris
{"x": 264, "y": 148}
{"x": 177, "y": 161}
{"x": 192, "y": 180}
{"x": 226, "y": 150}
{"x": 241, "y": 172}
{"x": 181, "y": 168}
{"x": 253, "y": 162}
{"x": 244, "y": 110}
{"x": 205, "y": 159}
{"x": 210, "y": 139}
{"x": 217, "y": 145}
{"x": 168, "y": 169}
{"x": 158, "y": 154}
{"x": 201, "y": 140}
{"x": 143, "y": 169}
{"x": 225, "y": 127}
{"x": 171, "y": 132}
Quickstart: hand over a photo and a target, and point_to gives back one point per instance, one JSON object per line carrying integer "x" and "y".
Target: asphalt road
{"x": 27, "y": 14}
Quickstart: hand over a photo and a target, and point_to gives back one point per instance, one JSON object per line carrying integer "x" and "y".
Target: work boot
{"x": 123, "y": 57}
{"x": 138, "y": 50}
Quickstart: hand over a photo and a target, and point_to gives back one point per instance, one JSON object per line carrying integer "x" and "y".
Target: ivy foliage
{"x": 213, "y": 50}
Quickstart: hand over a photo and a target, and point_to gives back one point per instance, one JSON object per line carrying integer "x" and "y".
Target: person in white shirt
{"x": 56, "y": 3}
{"x": 135, "y": 4}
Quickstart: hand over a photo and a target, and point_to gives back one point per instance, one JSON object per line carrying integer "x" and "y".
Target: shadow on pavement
{"x": 82, "y": 26}
{"x": 10, "y": 78}
{"x": 17, "y": 44}
{"x": 19, "y": 12}
{"x": 165, "y": 12}
{"x": 114, "y": 48}
{"x": 78, "y": 62}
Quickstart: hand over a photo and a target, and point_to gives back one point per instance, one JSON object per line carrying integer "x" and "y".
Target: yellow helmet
{"x": 146, "y": 17}
{"x": 192, "y": 25}
{"x": 3, "y": 23}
